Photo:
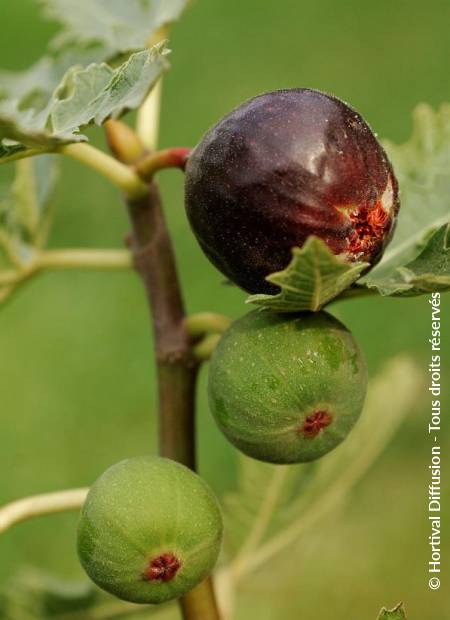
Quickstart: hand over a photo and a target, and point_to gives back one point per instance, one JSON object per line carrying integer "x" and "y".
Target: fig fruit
{"x": 281, "y": 167}
{"x": 150, "y": 530}
{"x": 287, "y": 390}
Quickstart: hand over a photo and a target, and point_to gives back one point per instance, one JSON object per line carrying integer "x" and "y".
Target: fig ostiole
{"x": 150, "y": 530}
{"x": 287, "y": 389}
{"x": 281, "y": 167}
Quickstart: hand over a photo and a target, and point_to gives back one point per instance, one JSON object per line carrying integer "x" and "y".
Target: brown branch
{"x": 177, "y": 370}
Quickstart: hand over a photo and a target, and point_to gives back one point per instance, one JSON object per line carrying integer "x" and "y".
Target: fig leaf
{"x": 25, "y": 206}
{"x": 48, "y": 103}
{"x": 313, "y": 278}
{"x": 397, "y": 613}
{"x": 114, "y": 26}
{"x": 430, "y": 271}
{"x": 417, "y": 260}
{"x": 32, "y": 594}
{"x": 84, "y": 96}
{"x": 25, "y": 214}
{"x": 35, "y": 595}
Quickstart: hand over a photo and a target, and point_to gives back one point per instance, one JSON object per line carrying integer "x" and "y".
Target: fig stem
{"x": 84, "y": 259}
{"x": 148, "y": 114}
{"x": 26, "y": 154}
{"x": 174, "y": 157}
{"x": 121, "y": 175}
{"x": 205, "y": 348}
{"x": 9, "y": 276}
{"x": 147, "y": 125}
{"x": 9, "y": 248}
{"x": 200, "y": 603}
{"x": 40, "y": 505}
{"x": 123, "y": 142}
{"x": 201, "y": 323}
{"x": 67, "y": 259}
{"x": 177, "y": 368}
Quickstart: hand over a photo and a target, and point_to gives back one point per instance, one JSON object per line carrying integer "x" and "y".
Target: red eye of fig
{"x": 279, "y": 168}
{"x": 162, "y": 568}
{"x": 315, "y": 422}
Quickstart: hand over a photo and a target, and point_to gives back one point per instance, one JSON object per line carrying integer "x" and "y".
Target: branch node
{"x": 124, "y": 143}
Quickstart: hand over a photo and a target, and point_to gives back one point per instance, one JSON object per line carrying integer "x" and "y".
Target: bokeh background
{"x": 76, "y": 371}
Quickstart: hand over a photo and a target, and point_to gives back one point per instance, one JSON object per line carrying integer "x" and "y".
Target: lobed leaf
{"x": 82, "y": 97}
{"x": 115, "y": 26}
{"x": 314, "y": 277}
{"x": 43, "y": 106}
{"x": 25, "y": 217}
{"x": 430, "y": 271}
{"x": 25, "y": 210}
{"x": 417, "y": 259}
{"x": 33, "y": 87}
{"x": 398, "y": 613}
{"x": 98, "y": 92}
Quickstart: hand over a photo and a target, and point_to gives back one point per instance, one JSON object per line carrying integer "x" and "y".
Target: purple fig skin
{"x": 281, "y": 167}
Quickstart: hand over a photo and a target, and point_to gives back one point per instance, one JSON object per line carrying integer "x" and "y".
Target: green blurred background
{"x": 76, "y": 372}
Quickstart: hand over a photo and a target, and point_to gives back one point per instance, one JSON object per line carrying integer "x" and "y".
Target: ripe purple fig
{"x": 281, "y": 167}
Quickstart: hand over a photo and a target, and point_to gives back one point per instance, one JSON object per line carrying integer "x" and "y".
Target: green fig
{"x": 287, "y": 389}
{"x": 150, "y": 530}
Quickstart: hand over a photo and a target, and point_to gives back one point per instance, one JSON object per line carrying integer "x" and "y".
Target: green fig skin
{"x": 287, "y": 389}
{"x": 141, "y": 513}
